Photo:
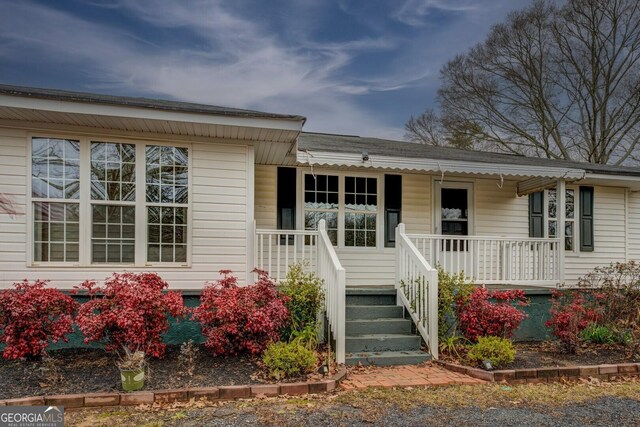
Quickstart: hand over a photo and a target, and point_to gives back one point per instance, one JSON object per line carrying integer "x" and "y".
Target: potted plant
{"x": 132, "y": 369}
{"x": 129, "y": 313}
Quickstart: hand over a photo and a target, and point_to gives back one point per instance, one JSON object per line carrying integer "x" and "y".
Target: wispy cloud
{"x": 238, "y": 62}
{"x": 294, "y": 60}
{"x": 414, "y": 12}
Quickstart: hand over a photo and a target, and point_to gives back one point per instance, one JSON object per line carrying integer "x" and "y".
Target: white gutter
{"x": 320, "y": 158}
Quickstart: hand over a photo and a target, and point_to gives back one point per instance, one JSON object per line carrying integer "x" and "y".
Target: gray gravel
{"x": 607, "y": 411}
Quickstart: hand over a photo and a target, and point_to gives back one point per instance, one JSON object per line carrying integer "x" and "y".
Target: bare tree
{"x": 426, "y": 129}
{"x": 551, "y": 82}
{"x": 429, "y": 128}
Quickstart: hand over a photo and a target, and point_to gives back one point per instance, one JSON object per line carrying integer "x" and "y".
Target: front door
{"x": 453, "y": 208}
{"x": 453, "y": 219}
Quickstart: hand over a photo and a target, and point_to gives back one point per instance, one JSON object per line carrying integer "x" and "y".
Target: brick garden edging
{"x": 92, "y": 400}
{"x": 547, "y": 374}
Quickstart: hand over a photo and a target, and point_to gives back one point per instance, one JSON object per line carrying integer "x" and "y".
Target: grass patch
{"x": 492, "y": 395}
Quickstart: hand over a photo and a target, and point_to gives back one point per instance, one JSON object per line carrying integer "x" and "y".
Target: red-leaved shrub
{"x": 479, "y": 316}
{"x": 32, "y": 315}
{"x": 571, "y": 312}
{"x": 129, "y": 311}
{"x": 236, "y": 319}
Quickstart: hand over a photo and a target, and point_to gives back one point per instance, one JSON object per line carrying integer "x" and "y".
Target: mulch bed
{"x": 85, "y": 370}
{"x": 550, "y": 354}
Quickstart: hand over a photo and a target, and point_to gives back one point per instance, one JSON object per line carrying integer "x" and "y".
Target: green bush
{"x": 602, "y": 334}
{"x": 499, "y": 351}
{"x": 450, "y": 288}
{"x": 305, "y": 300}
{"x": 598, "y": 334}
{"x": 289, "y": 359}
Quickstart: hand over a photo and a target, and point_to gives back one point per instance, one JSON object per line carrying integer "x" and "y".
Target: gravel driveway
{"x": 607, "y": 411}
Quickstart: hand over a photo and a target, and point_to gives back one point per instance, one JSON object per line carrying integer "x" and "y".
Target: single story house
{"x": 91, "y": 184}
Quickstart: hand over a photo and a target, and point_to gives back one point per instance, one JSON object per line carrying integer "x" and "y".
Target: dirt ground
{"x": 549, "y": 354}
{"x": 93, "y": 370}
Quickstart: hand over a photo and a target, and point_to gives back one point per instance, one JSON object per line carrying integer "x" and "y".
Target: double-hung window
{"x": 348, "y": 204}
{"x": 133, "y": 203}
{"x": 361, "y": 208}
{"x": 55, "y": 195}
{"x": 167, "y": 196}
{"x": 321, "y": 201}
{"x": 113, "y": 202}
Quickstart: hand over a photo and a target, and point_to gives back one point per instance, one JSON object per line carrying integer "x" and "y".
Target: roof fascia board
{"x": 71, "y": 107}
{"x": 433, "y": 165}
{"x": 612, "y": 177}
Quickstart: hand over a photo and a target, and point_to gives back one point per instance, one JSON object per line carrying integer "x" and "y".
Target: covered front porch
{"x": 375, "y": 214}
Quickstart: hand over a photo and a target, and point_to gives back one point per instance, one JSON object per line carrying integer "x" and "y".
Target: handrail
{"x": 333, "y": 275}
{"x": 501, "y": 238}
{"x": 417, "y": 288}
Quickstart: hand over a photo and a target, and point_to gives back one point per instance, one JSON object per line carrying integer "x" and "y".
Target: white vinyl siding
{"x": 416, "y": 203}
{"x": 633, "y": 235}
{"x": 609, "y": 234}
{"x": 498, "y": 212}
{"x": 218, "y": 217}
{"x": 266, "y": 197}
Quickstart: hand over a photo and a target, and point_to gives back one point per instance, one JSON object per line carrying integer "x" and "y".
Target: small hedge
{"x": 499, "y": 351}
{"x": 289, "y": 359}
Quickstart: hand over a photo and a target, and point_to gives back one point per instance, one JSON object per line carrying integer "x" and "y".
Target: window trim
{"x": 86, "y": 202}
{"x": 341, "y": 206}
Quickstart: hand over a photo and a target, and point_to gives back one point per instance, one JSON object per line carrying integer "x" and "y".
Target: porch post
{"x": 560, "y": 232}
{"x": 400, "y": 229}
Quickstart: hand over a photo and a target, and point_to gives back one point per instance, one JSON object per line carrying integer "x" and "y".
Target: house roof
{"x": 39, "y": 109}
{"x": 350, "y": 144}
{"x": 139, "y": 102}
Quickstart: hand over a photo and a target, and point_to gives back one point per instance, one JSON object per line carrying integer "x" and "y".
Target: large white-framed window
{"x": 321, "y": 201}
{"x": 108, "y": 201}
{"x": 570, "y": 215}
{"x": 361, "y": 211}
{"x": 349, "y": 202}
{"x": 167, "y": 198}
{"x": 113, "y": 202}
{"x": 55, "y": 200}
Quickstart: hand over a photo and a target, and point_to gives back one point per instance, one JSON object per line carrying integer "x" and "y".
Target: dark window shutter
{"x": 536, "y": 214}
{"x": 392, "y": 208}
{"x": 286, "y": 200}
{"x": 586, "y": 219}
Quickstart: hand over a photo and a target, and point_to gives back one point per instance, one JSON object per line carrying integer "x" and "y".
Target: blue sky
{"x": 356, "y": 67}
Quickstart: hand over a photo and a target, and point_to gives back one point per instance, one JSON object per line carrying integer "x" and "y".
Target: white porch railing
{"x": 276, "y": 250}
{"x": 494, "y": 260}
{"x": 333, "y": 274}
{"x": 417, "y": 288}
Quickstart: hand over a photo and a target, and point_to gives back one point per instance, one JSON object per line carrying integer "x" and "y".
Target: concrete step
{"x": 371, "y": 296}
{"x": 381, "y": 342}
{"x": 387, "y": 358}
{"x": 374, "y": 312}
{"x": 377, "y": 326}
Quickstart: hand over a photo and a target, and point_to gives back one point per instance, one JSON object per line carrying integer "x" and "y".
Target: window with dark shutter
{"x": 586, "y": 219}
{"x": 536, "y": 214}
{"x": 392, "y": 208}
